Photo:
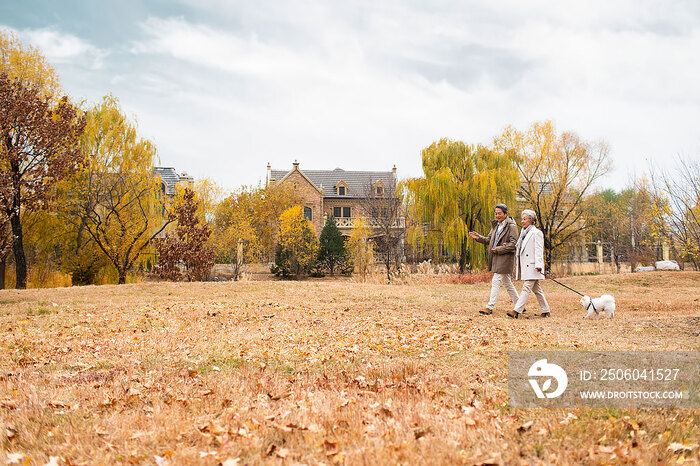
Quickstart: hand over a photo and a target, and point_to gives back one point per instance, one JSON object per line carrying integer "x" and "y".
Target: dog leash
{"x": 590, "y": 304}
{"x": 580, "y": 294}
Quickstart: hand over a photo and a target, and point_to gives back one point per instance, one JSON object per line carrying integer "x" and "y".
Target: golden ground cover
{"x": 322, "y": 372}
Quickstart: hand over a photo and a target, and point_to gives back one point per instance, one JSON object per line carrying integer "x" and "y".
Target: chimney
{"x": 269, "y": 174}
{"x": 393, "y": 170}
{"x": 296, "y": 165}
{"x": 187, "y": 179}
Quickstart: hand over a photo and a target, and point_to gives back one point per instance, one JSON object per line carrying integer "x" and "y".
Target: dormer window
{"x": 341, "y": 188}
{"x": 379, "y": 188}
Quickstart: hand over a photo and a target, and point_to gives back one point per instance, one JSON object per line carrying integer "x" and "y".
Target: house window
{"x": 341, "y": 190}
{"x": 307, "y": 213}
{"x": 380, "y": 191}
{"x": 341, "y": 212}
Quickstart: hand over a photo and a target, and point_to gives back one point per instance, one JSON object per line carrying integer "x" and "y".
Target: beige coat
{"x": 504, "y": 258}
{"x": 531, "y": 256}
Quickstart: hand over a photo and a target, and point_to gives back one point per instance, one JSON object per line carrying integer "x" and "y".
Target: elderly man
{"x": 501, "y": 254}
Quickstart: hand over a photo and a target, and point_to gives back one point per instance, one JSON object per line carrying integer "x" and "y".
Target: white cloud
{"x": 61, "y": 47}
{"x": 326, "y": 106}
{"x": 247, "y": 56}
{"x": 370, "y": 84}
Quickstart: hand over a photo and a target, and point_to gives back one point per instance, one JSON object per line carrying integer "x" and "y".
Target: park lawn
{"x": 332, "y": 372}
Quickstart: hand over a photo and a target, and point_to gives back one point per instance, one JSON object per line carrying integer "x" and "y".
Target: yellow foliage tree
{"x": 234, "y": 220}
{"x": 297, "y": 246}
{"x": 251, "y": 215}
{"x": 208, "y": 195}
{"x": 360, "y": 249}
{"x": 116, "y": 196}
{"x": 556, "y": 171}
{"x": 28, "y": 65}
{"x": 269, "y": 204}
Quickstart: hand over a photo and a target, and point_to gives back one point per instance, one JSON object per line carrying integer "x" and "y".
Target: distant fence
{"x": 258, "y": 271}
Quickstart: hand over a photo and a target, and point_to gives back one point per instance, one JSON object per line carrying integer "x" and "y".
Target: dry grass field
{"x": 323, "y": 372}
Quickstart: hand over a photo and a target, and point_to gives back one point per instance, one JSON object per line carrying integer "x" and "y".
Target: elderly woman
{"x": 529, "y": 254}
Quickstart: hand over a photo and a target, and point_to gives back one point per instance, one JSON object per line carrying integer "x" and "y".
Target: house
{"x": 170, "y": 179}
{"x": 335, "y": 192}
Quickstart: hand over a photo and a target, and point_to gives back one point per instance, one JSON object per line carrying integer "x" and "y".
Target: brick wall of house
{"x": 312, "y": 197}
{"x": 355, "y": 209}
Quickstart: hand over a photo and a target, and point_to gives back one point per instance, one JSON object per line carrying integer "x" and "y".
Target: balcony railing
{"x": 350, "y": 222}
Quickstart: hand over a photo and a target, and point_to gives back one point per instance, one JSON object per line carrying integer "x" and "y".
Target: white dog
{"x": 596, "y": 306}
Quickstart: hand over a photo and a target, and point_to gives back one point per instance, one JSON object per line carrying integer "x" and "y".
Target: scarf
{"x": 499, "y": 228}
{"x": 523, "y": 233}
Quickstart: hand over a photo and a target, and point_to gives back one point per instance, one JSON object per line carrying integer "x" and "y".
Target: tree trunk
{"x": 18, "y": 249}
{"x": 2, "y": 274}
{"x": 122, "y": 277}
{"x": 236, "y": 270}
{"x": 547, "y": 253}
{"x": 388, "y": 266}
{"x": 463, "y": 256}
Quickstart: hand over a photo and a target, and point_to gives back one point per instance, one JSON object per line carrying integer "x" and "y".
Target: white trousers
{"x": 496, "y": 281}
{"x": 532, "y": 286}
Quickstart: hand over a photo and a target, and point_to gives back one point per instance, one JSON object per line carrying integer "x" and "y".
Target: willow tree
{"x": 116, "y": 196}
{"x": 460, "y": 186}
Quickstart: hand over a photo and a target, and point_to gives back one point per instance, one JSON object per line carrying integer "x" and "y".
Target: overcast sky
{"x": 223, "y": 87}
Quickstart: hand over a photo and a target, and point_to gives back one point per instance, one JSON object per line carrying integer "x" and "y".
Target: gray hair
{"x": 532, "y": 215}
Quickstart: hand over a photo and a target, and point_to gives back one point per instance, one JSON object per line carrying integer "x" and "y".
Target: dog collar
{"x": 592, "y": 305}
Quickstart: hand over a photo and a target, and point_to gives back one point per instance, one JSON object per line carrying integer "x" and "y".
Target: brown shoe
{"x": 512, "y": 314}
{"x": 486, "y": 312}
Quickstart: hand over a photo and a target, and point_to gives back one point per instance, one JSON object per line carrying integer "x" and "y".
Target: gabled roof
{"x": 169, "y": 176}
{"x": 326, "y": 180}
